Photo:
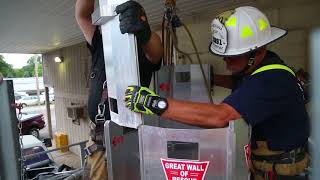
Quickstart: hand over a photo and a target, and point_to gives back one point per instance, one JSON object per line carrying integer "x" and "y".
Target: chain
{"x": 22, "y": 159}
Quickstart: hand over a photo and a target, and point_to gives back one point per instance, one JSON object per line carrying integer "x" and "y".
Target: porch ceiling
{"x": 38, "y": 26}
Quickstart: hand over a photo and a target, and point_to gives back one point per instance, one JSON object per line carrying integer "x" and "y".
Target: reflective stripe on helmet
{"x": 232, "y": 21}
{"x": 273, "y": 66}
{"x": 262, "y": 24}
{"x": 246, "y": 32}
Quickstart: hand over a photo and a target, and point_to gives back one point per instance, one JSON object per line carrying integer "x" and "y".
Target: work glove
{"x": 133, "y": 20}
{"x": 143, "y": 100}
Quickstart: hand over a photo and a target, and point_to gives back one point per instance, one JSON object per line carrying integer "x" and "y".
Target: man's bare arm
{"x": 201, "y": 114}
{"x": 153, "y": 49}
{"x": 83, "y": 11}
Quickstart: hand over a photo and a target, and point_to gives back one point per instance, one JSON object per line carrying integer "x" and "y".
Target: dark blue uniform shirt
{"x": 272, "y": 103}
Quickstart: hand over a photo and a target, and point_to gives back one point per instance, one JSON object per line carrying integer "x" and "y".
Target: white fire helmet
{"x": 241, "y": 30}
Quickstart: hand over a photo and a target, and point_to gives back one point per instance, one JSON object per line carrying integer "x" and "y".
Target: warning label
{"x": 184, "y": 170}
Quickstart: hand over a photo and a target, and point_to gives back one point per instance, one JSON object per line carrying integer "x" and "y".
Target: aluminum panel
{"x": 187, "y": 84}
{"x": 315, "y": 46}
{"x": 9, "y": 144}
{"x": 213, "y": 146}
{"x": 122, "y": 152}
{"x": 191, "y": 88}
{"x": 121, "y": 61}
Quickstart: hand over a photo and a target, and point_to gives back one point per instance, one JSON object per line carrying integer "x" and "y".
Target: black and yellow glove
{"x": 143, "y": 100}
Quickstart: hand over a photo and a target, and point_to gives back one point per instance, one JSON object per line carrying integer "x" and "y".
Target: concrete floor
{"x": 67, "y": 158}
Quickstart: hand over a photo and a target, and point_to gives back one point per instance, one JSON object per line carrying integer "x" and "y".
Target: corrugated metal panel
{"x": 69, "y": 82}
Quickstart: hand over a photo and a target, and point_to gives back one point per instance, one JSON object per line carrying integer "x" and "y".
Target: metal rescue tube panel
{"x": 10, "y": 151}
{"x": 172, "y": 151}
{"x": 121, "y": 61}
{"x": 187, "y": 84}
{"x": 169, "y": 153}
{"x": 165, "y": 149}
{"x": 176, "y": 151}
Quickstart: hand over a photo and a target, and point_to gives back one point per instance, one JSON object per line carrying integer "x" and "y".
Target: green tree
{"x": 28, "y": 70}
{"x": 18, "y": 72}
{"x": 6, "y": 69}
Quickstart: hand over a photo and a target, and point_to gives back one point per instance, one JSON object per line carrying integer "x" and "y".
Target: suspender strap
{"x": 273, "y": 66}
{"x": 93, "y": 148}
{"x": 104, "y": 95}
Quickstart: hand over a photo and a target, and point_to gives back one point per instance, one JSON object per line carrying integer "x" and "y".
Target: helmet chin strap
{"x": 251, "y": 58}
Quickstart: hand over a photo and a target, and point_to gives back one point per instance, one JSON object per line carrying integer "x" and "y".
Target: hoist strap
{"x": 273, "y": 66}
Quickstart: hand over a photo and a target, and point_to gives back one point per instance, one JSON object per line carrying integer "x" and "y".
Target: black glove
{"x": 133, "y": 20}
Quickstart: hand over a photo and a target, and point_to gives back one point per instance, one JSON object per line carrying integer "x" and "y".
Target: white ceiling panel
{"x": 38, "y": 26}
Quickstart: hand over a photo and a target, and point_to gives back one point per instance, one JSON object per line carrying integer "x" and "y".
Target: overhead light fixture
{"x": 58, "y": 59}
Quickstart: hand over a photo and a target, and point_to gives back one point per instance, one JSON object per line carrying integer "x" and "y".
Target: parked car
{"x": 43, "y": 98}
{"x": 28, "y": 101}
{"x": 32, "y": 123}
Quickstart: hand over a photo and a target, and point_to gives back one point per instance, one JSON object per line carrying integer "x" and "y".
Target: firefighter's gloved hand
{"x": 133, "y": 20}
{"x": 143, "y": 100}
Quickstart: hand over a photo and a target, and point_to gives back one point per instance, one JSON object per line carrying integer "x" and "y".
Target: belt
{"x": 289, "y": 157}
{"x": 93, "y": 148}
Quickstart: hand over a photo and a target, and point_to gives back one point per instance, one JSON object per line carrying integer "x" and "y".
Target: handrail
{"x": 81, "y": 144}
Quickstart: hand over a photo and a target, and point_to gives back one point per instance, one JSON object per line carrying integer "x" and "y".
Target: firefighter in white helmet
{"x": 265, "y": 94}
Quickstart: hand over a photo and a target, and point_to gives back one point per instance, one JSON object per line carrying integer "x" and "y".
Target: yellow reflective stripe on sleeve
{"x": 232, "y": 21}
{"x": 246, "y": 32}
{"x": 273, "y": 66}
{"x": 262, "y": 24}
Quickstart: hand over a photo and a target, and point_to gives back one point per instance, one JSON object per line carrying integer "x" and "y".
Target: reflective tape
{"x": 246, "y": 32}
{"x": 232, "y": 21}
{"x": 262, "y": 24}
{"x": 273, "y": 66}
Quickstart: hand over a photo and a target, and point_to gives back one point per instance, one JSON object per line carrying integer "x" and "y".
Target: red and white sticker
{"x": 184, "y": 170}
{"x": 247, "y": 153}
